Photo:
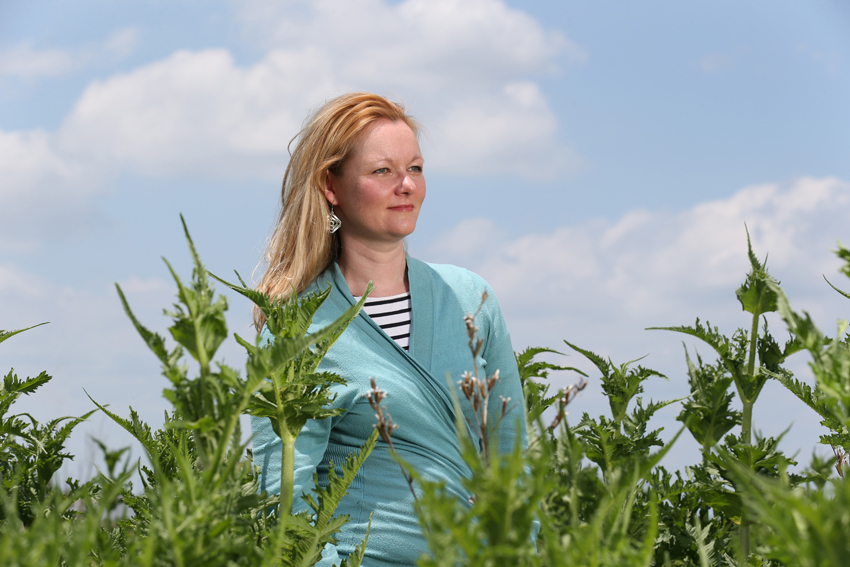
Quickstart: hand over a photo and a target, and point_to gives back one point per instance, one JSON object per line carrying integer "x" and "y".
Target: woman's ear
{"x": 330, "y": 191}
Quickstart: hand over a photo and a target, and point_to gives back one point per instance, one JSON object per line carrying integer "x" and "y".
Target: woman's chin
{"x": 400, "y": 232}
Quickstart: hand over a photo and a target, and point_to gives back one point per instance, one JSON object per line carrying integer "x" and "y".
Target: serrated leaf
{"x": 707, "y": 412}
{"x": 356, "y": 557}
{"x": 134, "y": 426}
{"x": 755, "y": 294}
{"x": 13, "y": 387}
{"x": 7, "y": 334}
{"x": 536, "y": 400}
{"x": 154, "y": 341}
{"x": 620, "y": 383}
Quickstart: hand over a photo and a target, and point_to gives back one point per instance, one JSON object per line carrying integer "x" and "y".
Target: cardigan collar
{"x": 422, "y": 328}
{"x": 423, "y": 324}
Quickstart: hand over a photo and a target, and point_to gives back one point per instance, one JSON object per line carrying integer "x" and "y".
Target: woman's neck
{"x": 386, "y": 268}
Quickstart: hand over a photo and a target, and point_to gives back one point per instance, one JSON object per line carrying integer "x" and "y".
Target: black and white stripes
{"x": 392, "y": 314}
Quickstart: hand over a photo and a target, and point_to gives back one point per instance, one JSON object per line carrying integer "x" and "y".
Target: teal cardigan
{"x": 418, "y": 400}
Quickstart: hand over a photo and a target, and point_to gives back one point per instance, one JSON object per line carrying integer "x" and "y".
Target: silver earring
{"x": 333, "y": 221}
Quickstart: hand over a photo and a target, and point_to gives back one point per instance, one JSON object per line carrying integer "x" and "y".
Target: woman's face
{"x": 380, "y": 190}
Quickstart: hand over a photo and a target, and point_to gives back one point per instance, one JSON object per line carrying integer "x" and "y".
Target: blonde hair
{"x": 301, "y": 246}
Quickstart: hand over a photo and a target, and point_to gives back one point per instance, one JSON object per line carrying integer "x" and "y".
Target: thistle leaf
{"x": 154, "y": 341}
{"x": 707, "y": 413}
{"x": 7, "y": 334}
{"x": 755, "y": 294}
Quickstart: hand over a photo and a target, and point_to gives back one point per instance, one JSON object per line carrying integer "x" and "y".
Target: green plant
{"x": 830, "y": 364}
{"x": 200, "y": 504}
{"x": 295, "y": 391}
{"x": 748, "y": 357}
{"x": 31, "y": 452}
{"x": 595, "y": 488}
{"x": 535, "y": 392}
{"x": 812, "y": 528}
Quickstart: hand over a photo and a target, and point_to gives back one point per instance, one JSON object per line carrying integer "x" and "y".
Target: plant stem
{"x": 287, "y": 451}
{"x": 745, "y": 524}
{"x": 747, "y": 426}
{"x": 747, "y": 421}
{"x": 287, "y": 470}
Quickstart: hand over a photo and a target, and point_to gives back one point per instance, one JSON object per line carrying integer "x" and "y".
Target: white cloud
{"x": 462, "y": 67}
{"x": 196, "y": 112}
{"x": 660, "y": 268}
{"x": 122, "y": 43}
{"x": 15, "y": 281}
{"x": 25, "y": 157}
{"x": 428, "y": 45}
{"x": 480, "y": 135}
{"x": 467, "y": 238}
{"x": 42, "y": 190}
{"x": 465, "y": 69}
{"x": 27, "y": 62}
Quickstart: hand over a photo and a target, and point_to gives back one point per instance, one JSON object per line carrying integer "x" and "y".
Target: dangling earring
{"x": 333, "y": 221}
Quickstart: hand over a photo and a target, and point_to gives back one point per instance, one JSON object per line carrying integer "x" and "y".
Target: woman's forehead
{"x": 387, "y": 139}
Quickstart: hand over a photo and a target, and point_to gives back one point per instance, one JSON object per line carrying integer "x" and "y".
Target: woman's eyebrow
{"x": 378, "y": 159}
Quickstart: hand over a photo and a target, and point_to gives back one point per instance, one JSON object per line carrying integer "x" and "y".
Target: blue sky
{"x": 595, "y": 161}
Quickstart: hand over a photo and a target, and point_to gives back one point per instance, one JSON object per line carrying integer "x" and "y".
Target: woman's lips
{"x": 402, "y": 208}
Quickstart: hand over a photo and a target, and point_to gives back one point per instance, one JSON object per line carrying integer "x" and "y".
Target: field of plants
{"x": 592, "y": 485}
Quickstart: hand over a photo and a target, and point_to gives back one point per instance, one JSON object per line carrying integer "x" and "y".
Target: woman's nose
{"x": 407, "y": 185}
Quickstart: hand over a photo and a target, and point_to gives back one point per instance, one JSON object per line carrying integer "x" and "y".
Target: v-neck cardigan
{"x": 419, "y": 401}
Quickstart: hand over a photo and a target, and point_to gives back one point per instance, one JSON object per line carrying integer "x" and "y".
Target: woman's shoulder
{"x": 456, "y": 277}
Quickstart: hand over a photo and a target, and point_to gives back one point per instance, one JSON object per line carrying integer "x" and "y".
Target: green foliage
{"x": 749, "y": 357}
{"x": 32, "y": 452}
{"x": 497, "y": 526}
{"x": 707, "y": 412}
{"x": 608, "y": 502}
{"x": 322, "y": 524}
{"x": 684, "y": 502}
{"x": 830, "y": 364}
{"x": 535, "y": 393}
{"x": 586, "y": 493}
{"x": 613, "y": 443}
{"x": 608, "y": 539}
{"x": 805, "y": 528}
{"x": 585, "y": 517}
{"x": 294, "y": 392}
{"x": 200, "y": 504}
{"x": 757, "y": 294}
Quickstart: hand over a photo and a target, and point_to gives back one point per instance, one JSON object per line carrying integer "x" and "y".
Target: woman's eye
{"x": 416, "y": 168}
{"x": 382, "y": 170}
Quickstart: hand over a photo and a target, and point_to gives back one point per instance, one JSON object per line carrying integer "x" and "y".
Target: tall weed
{"x": 199, "y": 504}
{"x": 585, "y": 492}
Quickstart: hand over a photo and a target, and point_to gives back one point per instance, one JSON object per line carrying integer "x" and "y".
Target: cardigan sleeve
{"x": 499, "y": 354}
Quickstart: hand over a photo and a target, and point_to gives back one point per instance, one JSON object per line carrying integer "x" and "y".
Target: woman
{"x": 357, "y": 167}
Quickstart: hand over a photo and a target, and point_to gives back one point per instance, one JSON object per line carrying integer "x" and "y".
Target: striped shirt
{"x": 392, "y": 314}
